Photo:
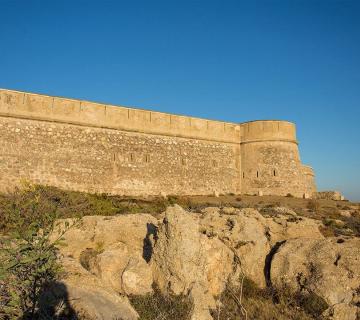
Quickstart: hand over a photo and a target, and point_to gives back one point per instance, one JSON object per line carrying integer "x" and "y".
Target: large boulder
{"x": 186, "y": 261}
{"x": 108, "y": 258}
{"x": 329, "y": 268}
{"x": 245, "y": 232}
{"x": 124, "y": 271}
{"x": 87, "y": 295}
{"x": 283, "y": 227}
{"x": 98, "y": 232}
{"x": 252, "y": 235}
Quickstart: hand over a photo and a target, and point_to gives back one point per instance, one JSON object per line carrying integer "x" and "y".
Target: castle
{"x": 86, "y": 146}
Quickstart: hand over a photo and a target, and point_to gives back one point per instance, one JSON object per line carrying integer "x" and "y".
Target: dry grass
{"x": 160, "y": 307}
{"x": 269, "y": 304}
{"x": 35, "y": 202}
{"x": 77, "y": 204}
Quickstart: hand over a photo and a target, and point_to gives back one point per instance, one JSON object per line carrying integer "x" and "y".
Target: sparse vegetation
{"x": 314, "y": 205}
{"x": 158, "y": 306}
{"x": 20, "y": 204}
{"x": 268, "y": 304}
{"x": 28, "y": 258}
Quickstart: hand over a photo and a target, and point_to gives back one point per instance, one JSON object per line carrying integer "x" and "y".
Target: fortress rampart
{"x": 86, "y": 146}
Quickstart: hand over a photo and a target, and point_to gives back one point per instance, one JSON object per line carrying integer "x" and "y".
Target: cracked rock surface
{"x": 198, "y": 253}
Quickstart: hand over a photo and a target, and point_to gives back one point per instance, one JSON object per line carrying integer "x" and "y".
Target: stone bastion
{"x": 92, "y": 147}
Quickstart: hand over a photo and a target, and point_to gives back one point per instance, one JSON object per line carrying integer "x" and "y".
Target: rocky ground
{"x": 212, "y": 251}
{"x": 229, "y": 257}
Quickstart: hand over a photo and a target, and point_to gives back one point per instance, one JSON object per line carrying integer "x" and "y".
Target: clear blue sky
{"x": 228, "y": 60}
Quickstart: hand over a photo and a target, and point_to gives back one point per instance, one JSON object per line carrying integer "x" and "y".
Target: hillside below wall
{"x": 112, "y": 161}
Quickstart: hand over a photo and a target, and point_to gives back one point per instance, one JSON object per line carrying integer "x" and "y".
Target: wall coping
{"x": 100, "y": 115}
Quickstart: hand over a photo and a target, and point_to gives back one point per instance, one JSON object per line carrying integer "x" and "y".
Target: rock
{"x": 137, "y": 277}
{"x": 339, "y": 223}
{"x": 345, "y": 213}
{"x": 341, "y": 311}
{"x": 98, "y": 304}
{"x": 187, "y": 261}
{"x": 284, "y": 211}
{"x": 114, "y": 252}
{"x": 86, "y": 294}
{"x": 252, "y": 235}
{"x": 124, "y": 271}
{"x": 196, "y": 254}
{"x": 245, "y": 233}
{"x": 101, "y": 232}
{"x": 326, "y": 267}
{"x": 229, "y": 210}
{"x": 283, "y": 228}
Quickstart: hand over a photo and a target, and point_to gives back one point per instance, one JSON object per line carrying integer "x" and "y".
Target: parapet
{"x": 268, "y": 130}
{"x": 42, "y": 107}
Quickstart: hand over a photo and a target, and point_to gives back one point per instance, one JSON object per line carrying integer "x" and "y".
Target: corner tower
{"x": 270, "y": 160}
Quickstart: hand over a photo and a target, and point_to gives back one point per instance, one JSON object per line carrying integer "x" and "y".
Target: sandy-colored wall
{"x": 113, "y": 161}
{"x": 270, "y": 160}
{"x": 41, "y": 107}
{"x": 93, "y": 147}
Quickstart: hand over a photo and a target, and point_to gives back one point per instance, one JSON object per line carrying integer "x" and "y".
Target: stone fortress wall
{"x": 86, "y": 146}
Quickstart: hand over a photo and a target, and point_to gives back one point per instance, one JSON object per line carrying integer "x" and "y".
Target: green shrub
{"x": 28, "y": 266}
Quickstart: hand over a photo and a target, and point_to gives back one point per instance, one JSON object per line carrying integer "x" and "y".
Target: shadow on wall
{"x": 148, "y": 246}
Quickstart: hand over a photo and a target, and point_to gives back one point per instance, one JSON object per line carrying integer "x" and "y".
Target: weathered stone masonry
{"x": 80, "y": 145}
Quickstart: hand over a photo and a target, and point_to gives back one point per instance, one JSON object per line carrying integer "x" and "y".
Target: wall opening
{"x": 147, "y": 158}
{"x": 132, "y": 157}
{"x": 243, "y": 175}
{"x": 274, "y": 173}
{"x": 257, "y": 174}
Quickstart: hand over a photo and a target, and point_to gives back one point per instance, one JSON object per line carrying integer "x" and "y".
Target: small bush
{"x": 172, "y": 199}
{"x": 87, "y": 256}
{"x": 313, "y": 304}
{"x": 313, "y": 205}
{"x": 28, "y": 266}
{"x": 289, "y": 195}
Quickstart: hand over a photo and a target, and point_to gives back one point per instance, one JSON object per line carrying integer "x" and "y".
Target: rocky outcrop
{"x": 328, "y": 267}
{"x": 107, "y": 257}
{"x": 89, "y": 296}
{"x": 253, "y": 235}
{"x": 196, "y": 254}
{"x": 186, "y": 261}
